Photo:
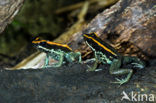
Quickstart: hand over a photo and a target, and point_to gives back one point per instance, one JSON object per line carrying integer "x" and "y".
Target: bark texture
{"x": 8, "y": 10}
{"x": 129, "y": 25}
{"x": 72, "y": 85}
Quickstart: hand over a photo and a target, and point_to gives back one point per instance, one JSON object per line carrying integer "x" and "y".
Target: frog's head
{"x": 40, "y": 44}
{"x": 93, "y": 35}
{"x": 90, "y": 38}
{"x": 90, "y": 35}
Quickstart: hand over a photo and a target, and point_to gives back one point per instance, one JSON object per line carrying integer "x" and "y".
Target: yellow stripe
{"x": 39, "y": 41}
{"x": 62, "y": 45}
{"x": 96, "y": 34}
{"x": 104, "y": 47}
{"x": 52, "y": 43}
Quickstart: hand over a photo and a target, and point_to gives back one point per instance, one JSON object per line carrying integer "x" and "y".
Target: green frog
{"x": 59, "y": 52}
{"x": 106, "y": 54}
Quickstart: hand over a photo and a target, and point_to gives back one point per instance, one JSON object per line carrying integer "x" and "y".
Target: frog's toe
{"x": 46, "y": 66}
{"x": 56, "y": 65}
{"x": 89, "y": 68}
{"x": 136, "y": 65}
{"x": 120, "y": 81}
{"x": 97, "y": 70}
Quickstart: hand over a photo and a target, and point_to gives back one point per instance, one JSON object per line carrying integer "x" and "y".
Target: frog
{"x": 57, "y": 51}
{"x": 106, "y": 54}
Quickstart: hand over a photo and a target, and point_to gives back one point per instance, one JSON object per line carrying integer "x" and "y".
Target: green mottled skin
{"x": 59, "y": 55}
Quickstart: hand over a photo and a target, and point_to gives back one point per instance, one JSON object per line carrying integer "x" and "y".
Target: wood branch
{"x": 99, "y": 3}
{"x": 8, "y": 10}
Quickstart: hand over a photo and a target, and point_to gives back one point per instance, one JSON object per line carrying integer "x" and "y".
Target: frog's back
{"x": 57, "y": 47}
{"x": 47, "y": 46}
{"x": 100, "y": 46}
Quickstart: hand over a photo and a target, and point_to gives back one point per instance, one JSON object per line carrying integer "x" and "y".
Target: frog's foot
{"x": 56, "y": 65}
{"x": 136, "y": 65}
{"x": 46, "y": 66}
{"x": 90, "y": 69}
{"x": 93, "y": 69}
{"x": 89, "y": 60}
{"x": 52, "y": 65}
{"x": 97, "y": 70}
{"x": 120, "y": 81}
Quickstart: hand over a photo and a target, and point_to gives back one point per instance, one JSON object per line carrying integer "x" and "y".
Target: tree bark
{"x": 129, "y": 25}
{"x": 72, "y": 85}
{"x": 8, "y": 10}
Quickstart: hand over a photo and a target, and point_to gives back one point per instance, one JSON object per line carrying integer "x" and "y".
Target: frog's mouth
{"x": 43, "y": 49}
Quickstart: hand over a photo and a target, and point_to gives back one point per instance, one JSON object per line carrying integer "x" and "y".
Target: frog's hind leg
{"x": 136, "y": 62}
{"x": 116, "y": 70}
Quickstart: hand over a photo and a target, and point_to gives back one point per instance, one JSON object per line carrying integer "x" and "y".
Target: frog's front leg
{"x": 116, "y": 70}
{"x": 46, "y": 63}
{"x": 77, "y": 55}
{"x": 73, "y": 57}
{"x": 89, "y": 60}
{"x": 60, "y": 61}
{"x": 95, "y": 64}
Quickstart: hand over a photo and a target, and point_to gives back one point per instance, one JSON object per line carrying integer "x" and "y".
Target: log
{"x": 129, "y": 25}
{"x": 8, "y": 10}
{"x": 71, "y": 84}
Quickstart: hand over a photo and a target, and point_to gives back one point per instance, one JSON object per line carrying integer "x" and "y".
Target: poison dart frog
{"x": 106, "y": 54}
{"x": 59, "y": 52}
